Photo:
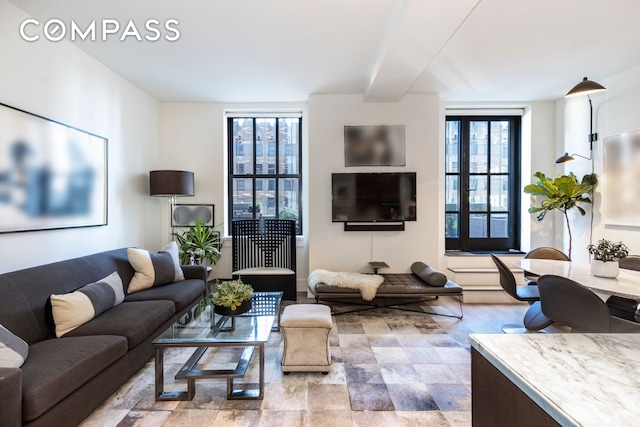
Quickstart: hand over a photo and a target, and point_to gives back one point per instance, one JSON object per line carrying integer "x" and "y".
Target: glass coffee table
{"x": 249, "y": 330}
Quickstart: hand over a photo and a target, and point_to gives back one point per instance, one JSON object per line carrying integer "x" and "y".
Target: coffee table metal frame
{"x": 264, "y": 304}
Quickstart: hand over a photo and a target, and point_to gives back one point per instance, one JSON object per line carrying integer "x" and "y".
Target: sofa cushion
{"x": 57, "y": 367}
{"x": 154, "y": 269}
{"x": 135, "y": 320}
{"x": 13, "y": 350}
{"x": 76, "y": 308}
{"x": 181, "y": 293}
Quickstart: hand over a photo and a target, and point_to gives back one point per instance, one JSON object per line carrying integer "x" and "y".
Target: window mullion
{"x": 255, "y": 165}
{"x": 277, "y": 163}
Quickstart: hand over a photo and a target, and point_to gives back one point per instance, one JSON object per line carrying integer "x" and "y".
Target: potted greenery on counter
{"x": 606, "y": 255}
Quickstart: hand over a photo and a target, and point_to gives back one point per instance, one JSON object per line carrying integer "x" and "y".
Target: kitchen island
{"x": 555, "y": 379}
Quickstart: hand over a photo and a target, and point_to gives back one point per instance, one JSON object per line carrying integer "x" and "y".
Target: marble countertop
{"x": 578, "y": 379}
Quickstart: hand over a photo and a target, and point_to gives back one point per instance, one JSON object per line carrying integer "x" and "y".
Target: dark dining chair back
{"x": 507, "y": 281}
{"x": 568, "y": 303}
{"x": 546, "y": 252}
{"x": 631, "y": 262}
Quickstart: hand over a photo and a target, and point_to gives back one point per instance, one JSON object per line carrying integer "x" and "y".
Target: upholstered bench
{"x": 397, "y": 289}
{"x": 306, "y": 330}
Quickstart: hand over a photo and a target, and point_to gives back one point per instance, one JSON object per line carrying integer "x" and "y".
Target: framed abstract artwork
{"x": 621, "y": 193}
{"x": 52, "y": 175}
{"x": 188, "y": 215}
{"x": 374, "y": 145}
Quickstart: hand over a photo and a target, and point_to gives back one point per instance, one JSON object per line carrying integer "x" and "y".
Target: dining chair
{"x": 631, "y": 262}
{"x": 534, "y": 319}
{"x": 571, "y": 304}
{"x": 544, "y": 252}
{"x": 626, "y": 308}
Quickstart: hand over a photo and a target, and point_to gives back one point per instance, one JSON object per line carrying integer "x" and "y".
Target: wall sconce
{"x": 171, "y": 184}
{"x": 585, "y": 87}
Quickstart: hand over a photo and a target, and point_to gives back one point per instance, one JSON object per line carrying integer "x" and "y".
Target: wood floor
{"x": 390, "y": 368}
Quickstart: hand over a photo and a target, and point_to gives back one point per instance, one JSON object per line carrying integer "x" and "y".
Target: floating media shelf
{"x": 374, "y": 226}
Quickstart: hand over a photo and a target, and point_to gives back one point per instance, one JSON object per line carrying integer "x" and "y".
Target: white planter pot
{"x": 609, "y": 270}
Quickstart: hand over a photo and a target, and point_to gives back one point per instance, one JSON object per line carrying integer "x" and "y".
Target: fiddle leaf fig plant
{"x": 563, "y": 193}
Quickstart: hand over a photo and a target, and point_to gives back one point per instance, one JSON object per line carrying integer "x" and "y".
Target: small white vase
{"x": 609, "y": 270}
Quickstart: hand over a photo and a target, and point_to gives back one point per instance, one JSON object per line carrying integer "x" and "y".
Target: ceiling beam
{"x": 417, "y": 33}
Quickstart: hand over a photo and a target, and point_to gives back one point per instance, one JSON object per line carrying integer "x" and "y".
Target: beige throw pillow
{"x": 154, "y": 269}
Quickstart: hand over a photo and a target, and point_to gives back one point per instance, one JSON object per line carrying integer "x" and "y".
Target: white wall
{"x": 330, "y": 246}
{"x": 615, "y": 111}
{"x": 60, "y": 82}
{"x": 192, "y": 137}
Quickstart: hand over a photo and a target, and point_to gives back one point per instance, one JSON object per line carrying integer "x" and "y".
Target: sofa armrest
{"x": 196, "y": 272}
{"x": 11, "y": 396}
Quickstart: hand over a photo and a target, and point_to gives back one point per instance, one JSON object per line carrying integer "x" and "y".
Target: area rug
{"x": 367, "y": 284}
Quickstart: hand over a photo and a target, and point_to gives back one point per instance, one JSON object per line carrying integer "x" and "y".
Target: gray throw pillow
{"x": 429, "y": 275}
{"x": 76, "y": 308}
{"x": 154, "y": 269}
{"x": 13, "y": 350}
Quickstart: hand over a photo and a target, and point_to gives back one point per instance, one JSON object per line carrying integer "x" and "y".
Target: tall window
{"x": 482, "y": 184}
{"x": 265, "y": 160}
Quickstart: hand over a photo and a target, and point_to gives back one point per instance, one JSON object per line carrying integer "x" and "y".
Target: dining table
{"x": 626, "y": 285}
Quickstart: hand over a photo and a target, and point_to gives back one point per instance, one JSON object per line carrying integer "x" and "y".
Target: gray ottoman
{"x": 306, "y": 338}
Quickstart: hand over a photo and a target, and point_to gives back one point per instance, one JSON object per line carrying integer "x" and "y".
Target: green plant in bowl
{"x": 231, "y": 293}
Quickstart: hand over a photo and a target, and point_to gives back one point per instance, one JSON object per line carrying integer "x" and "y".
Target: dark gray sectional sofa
{"x": 64, "y": 379}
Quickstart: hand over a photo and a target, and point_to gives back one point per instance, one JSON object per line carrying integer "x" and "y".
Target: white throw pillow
{"x": 154, "y": 269}
{"x": 13, "y": 350}
{"x": 76, "y": 308}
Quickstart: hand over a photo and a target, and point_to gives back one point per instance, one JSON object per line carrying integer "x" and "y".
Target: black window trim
{"x": 463, "y": 242}
{"x": 255, "y": 176}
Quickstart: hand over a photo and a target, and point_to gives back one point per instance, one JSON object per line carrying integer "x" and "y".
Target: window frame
{"x": 276, "y": 177}
{"x": 464, "y": 242}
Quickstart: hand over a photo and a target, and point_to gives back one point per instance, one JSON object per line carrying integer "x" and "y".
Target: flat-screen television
{"x": 373, "y": 197}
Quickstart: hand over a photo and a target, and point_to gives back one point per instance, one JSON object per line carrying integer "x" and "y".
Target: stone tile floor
{"x": 390, "y": 368}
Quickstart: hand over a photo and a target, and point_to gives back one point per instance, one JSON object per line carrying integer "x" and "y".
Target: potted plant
{"x": 563, "y": 193}
{"x": 606, "y": 255}
{"x": 199, "y": 243}
{"x": 231, "y": 298}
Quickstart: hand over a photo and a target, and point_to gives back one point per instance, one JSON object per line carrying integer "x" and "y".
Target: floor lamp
{"x": 172, "y": 184}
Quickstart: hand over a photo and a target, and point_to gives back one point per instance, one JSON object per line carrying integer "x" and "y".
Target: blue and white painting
{"x": 51, "y": 175}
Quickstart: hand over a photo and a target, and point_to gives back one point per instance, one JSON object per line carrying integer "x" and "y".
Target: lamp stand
{"x": 172, "y": 205}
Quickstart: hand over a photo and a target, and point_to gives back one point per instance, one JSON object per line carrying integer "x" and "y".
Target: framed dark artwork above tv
{"x": 52, "y": 175}
{"x": 374, "y": 145}
{"x": 373, "y": 197}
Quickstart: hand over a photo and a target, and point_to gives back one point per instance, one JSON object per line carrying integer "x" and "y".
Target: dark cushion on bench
{"x": 429, "y": 275}
{"x": 57, "y": 367}
{"x": 135, "y": 320}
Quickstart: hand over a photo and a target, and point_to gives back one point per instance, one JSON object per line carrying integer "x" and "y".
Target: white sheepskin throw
{"x": 367, "y": 284}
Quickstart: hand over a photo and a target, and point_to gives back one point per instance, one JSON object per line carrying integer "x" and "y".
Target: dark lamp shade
{"x": 585, "y": 87}
{"x": 171, "y": 183}
{"x": 564, "y": 159}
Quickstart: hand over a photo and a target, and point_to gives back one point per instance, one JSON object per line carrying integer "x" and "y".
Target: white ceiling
{"x": 284, "y": 50}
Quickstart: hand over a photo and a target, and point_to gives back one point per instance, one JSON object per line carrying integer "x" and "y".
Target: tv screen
{"x": 373, "y": 197}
